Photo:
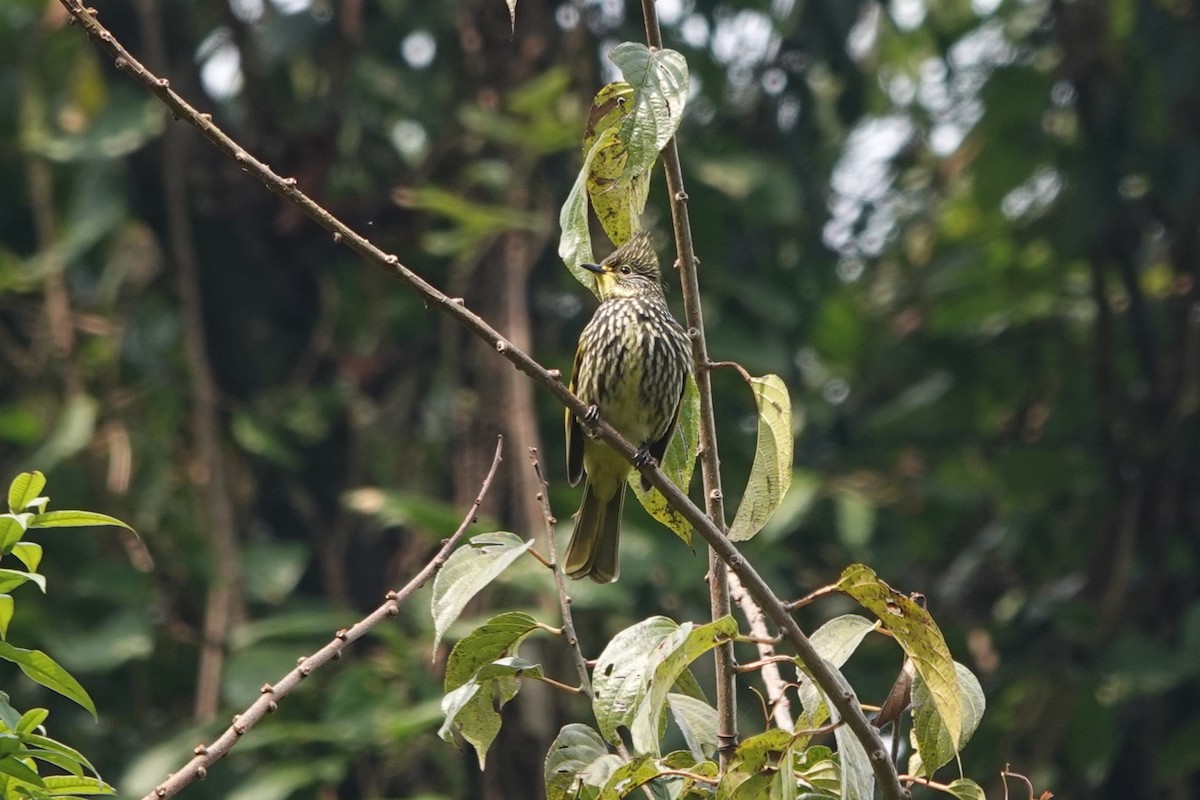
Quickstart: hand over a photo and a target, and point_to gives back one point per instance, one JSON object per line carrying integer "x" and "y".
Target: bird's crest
{"x": 638, "y": 254}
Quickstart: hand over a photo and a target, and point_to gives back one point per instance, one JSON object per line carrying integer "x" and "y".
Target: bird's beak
{"x": 596, "y": 268}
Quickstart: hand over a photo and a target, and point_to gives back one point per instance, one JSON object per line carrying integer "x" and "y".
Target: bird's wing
{"x": 575, "y": 435}
{"x": 658, "y": 448}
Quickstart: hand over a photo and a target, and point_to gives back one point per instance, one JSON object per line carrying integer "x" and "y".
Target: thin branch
{"x": 564, "y": 599}
{"x": 841, "y": 696}
{"x": 691, "y": 776}
{"x": 732, "y": 365}
{"x": 267, "y": 702}
{"x": 710, "y": 469}
{"x": 764, "y": 662}
{"x": 811, "y": 596}
{"x": 556, "y": 684}
{"x": 1005, "y": 774}
{"x": 771, "y": 677}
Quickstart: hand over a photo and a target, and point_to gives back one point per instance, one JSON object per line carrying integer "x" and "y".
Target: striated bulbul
{"x": 631, "y": 367}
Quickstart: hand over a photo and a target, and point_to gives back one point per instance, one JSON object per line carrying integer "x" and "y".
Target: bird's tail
{"x": 593, "y": 548}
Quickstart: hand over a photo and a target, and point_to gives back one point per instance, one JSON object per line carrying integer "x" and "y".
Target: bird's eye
{"x": 626, "y": 271}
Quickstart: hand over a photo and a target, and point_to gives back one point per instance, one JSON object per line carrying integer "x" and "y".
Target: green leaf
{"x": 665, "y": 664}
{"x": 9, "y": 744}
{"x": 678, "y": 463}
{"x": 858, "y": 781}
{"x": 622, "y": 671}
{"x": 74, "y": 519}
{"x": 64, "y": 785}
{"x": 618, "y": 682}
{"x": 966, "y": 789}
{"x": 12, "y": 528}
{"x": 473, "y": 708}
{"x": 572, "y": 751}
{"x": 629, "y": 124}
{"x": 42, "y": 669}
{"x": 917, "y": 633}
{"x": 6, "y": 614}
{"x": 697, "y": 720}
{"x": 31, "y": 719}
{"x": 617, "y": 196}
{"x": 12, "y": 578}
{"x": 629, "y": 777}
{"x": 756, "y": 757}
{"x": 819, "y": 769}
{"x": 29, "y": 553}
{"x": 50, "y": 757}
{"x": 685, "y": 760}
{"x": 498, "y": 637}
{"x": 466, "y": 571}
{"x": 771, "y": 473}
{"x": 787, "y": 777}
{"x": 575, "y": 243}
{"x": 9, "y": 716}
{"x": 932, "y": 746}
{"x": 660, "y": 91}
{"x": 835, "y": 642}
{"x": 54, "y": 746}
{"x": 24, "y": 490}
{"x": 14, "y": 767}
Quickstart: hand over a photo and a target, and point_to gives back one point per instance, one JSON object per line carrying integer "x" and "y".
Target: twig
{"x": 811, "y": 596}
{"x": 564, "y": 599}
{"x": 732, "y": 365}
{"x": 1005, "y": 774}
{"x": 556, "y": 684}
{"x": 771, "y": 678}
{"x": 691, "y": 776}
{"x": 710, "y": 470}
{"x": 267, "y": 702}
{"x": 841, "y": 696}
{"x": 761, "y": 663}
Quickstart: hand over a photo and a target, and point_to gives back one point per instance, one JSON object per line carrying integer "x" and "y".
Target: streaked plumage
{"x": 632, "y": 364}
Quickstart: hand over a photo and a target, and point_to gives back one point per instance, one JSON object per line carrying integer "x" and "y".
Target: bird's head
{"x": 631, "y": 271}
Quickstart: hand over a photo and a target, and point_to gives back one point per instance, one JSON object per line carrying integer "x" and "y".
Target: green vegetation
{"x": 958, "y": 238}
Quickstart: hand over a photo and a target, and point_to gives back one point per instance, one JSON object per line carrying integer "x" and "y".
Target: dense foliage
{"x": 964, "y": 233}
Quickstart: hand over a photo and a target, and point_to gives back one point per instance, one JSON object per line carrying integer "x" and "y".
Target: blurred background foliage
{"x": 966, "y": 232}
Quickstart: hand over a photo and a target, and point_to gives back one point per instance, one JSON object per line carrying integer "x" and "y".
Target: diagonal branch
{"x": 271, "y": 694}
{"x": 841, "y": 696}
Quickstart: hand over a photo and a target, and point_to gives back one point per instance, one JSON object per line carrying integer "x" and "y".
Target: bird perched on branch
{"x": 631, "y": 368}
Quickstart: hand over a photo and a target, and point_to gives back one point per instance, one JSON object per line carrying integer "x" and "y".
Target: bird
{"x": 631, "y": 367}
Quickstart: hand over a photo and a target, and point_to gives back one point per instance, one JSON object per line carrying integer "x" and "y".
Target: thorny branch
{"x": 840, "y": 694}
{"x": 710, "y": 461}
{"x": 564, "y": 599}
{"x": 271, "y": 694}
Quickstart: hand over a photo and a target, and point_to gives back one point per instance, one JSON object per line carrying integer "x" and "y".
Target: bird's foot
{"x": 643, "y": 458}
{"x": 589, "y": 420}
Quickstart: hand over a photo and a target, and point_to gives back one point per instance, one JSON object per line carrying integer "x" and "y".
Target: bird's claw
{"x": 643, "y": 458}
{"x": 589, "y": 420}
